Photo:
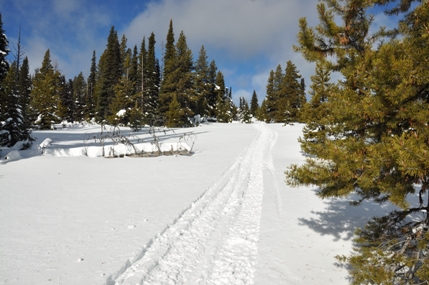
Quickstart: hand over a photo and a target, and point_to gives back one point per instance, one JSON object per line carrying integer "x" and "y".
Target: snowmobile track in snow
{"x": 215, "y": 240}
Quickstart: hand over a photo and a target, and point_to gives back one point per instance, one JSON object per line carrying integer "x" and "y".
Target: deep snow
{"x": 221, "y": 216}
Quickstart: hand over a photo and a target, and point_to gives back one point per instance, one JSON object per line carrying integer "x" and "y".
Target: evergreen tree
{"x": 110, "y": 71}
{"x": 254, "y": 106}
{"x": 142, "y": 75}
{"x": 123, "y": 49}
{"x": 152, "y": 81}
{"x": 4, "y": 67}
{"x": 24, "y": 91}
{"x": 4, "y": 51}
{"x": 175, "y": 113}
{"x": 203, "y": 84}
{"x": 14, "y": 128}
{"x": 276, "y": 97}
{"x": 168, "y": 85}
{"x": 45, "y": 95}
{"x": 89, "y": 110}
{"x": 244, "y": 111}
{"x": 223, "y": 104}
{"x": 80, "y": 97}
{"x": 124, "y": 98}
{"x": 133, "y": 73}
{"x": 212, "y": 96}
{"x": 262, "y": 112}
{"x": 67, "y": 106}
{"x": 185, "y": 92}
{"x": 291, "y": 96}
{"x": 378, "y": 131}
{"x": 315, "y": 113}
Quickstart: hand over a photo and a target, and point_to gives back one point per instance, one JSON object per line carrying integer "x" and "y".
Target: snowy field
{"x": 221, "y": 216}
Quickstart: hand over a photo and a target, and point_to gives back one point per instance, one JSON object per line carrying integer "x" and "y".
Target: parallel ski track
{"x": 215, "y": 240}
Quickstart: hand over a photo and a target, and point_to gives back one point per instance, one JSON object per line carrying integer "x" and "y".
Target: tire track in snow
{"x": 215, "y": 240}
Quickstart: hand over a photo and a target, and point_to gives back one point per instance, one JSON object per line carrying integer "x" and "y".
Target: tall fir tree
{"x": 110, "y": 71}
{"x": 244, "y": 115}
{"x": 212, "y": 96}
{"x": 254, "y": 106}
{"x": 4, "y": 51}
{"x": 292, "y": 95}
{"x": 124, "y": 98}
{"x": 203, "y": 85}
{"x": 24, "y": 91}
{"x": 262, "y": 112}
{"x": 183, "y": 79}
{"x": 66, "y": 109}
{"x": 225, "y": 109}
{"x": 4, "y": 67}
{"x": 45, "y": 93}
{"x": 142, "y": 75}
{"x": 14, "y": 128}
{"x": 81, "y": 100}
{"x": 316, "y": 112}
{"x": 378, "y": 143}
{"x": 170, "y": 64}
{"x": 152, "y": 81}
{"x": 91, "y": 99}
{"x": 271, "y": 98}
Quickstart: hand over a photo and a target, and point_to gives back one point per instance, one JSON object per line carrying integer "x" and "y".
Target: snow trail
{"x": 215, "y": 240}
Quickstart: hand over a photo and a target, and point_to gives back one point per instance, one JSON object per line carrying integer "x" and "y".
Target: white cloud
{"x": 242, "y": 93}
{"x": 240, "y": 28}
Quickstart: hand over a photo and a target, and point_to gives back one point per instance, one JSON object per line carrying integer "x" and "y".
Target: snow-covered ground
{"x": 221, "y": 216}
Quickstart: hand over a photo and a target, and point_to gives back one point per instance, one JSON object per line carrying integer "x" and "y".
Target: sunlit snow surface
{"x": 220, "y": 216}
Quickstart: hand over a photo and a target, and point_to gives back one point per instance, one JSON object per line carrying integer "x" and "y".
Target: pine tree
{"x": 244, "y": 111}
{"x": 24, "y": 91}
{"x": 123, "y": 49}
{"x": 315, "y": 113}
{"x": 203, "y": 84}
{"x": 142, "y": 75}
{"x": 152, "y": 81}
{"x": 4, "y": 67}
{"x": 212, "y": 96}
{"x": 185, "y": 92}
{"x": 168, "y": 81}
{"x": 110, "y": 71}
{"x": 175, "y": 113}
{"x": 4, "y": 51}
{"x": 124, "y": 98}
{"x": 254, "y": 106}
{"x": 223, "y": 108}
{"x": 90, "y": 99}
{"x": 262, "y": 112}
{"x": 67, "y": 106}
{"x": 45, "y": 93}
{"x": 276, "y": 102}
{"x": 80, "y": 97}
{"x": 14, "y": 128}
{"x": 378, "y": 142}
{"x": 291, "y": 95}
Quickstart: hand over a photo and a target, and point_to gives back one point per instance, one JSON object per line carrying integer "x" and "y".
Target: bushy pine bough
{"x": 373, "y": 137}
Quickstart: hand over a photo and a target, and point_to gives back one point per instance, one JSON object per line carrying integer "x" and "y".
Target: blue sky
{"x": 246, "y": 38}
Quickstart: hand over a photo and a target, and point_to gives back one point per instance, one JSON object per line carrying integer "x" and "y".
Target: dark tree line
{"x": 126, "y": 86}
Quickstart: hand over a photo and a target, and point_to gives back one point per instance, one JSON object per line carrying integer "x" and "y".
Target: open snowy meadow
{"x": 223, "y": 215}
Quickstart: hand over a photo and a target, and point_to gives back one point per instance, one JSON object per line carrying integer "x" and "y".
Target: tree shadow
{"x": 340, "y": 219}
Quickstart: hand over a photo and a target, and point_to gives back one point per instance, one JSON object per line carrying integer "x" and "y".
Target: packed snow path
{"x": 215, "y": 240}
